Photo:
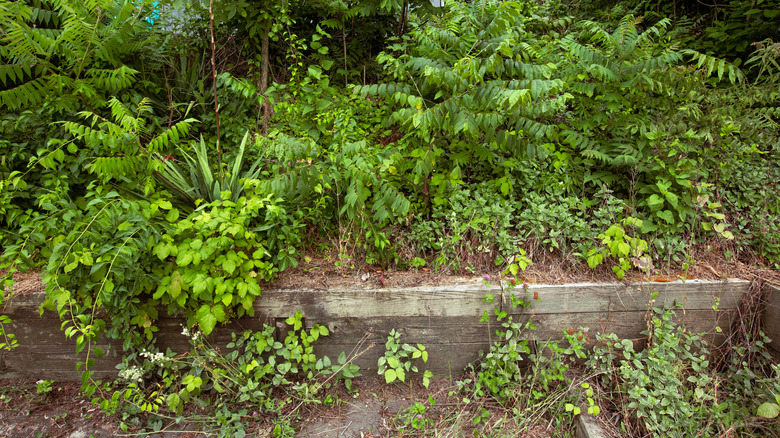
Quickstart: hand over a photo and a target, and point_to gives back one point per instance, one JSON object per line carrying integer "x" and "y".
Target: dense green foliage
{"x": 157, "y": 161}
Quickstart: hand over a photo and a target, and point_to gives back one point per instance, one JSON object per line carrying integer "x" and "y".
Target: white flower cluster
{"x": 186, "y": 332}
{"x": 153, "y": 357}
{"x": 132, "y": 374}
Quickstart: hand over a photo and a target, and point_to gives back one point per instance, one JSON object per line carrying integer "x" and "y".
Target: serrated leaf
{"x": 401, "y": 374}
{"x": 206, "y": 319}
{"x": 393, "y": 362}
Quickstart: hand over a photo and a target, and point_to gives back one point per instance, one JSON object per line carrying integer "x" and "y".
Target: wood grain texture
{"x": 771, "y": 317}
{"x": 588, "y": 427}
{"x": 446, "y": 319}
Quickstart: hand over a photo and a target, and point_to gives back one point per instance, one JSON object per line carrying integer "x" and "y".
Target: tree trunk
{"x": 264, "y": 69}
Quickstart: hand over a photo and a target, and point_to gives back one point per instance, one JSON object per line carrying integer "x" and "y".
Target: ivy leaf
{"x": 184, "y": 258}
{"x": 623, "y": 248}
{"x": 175, "y": 288}
{"x": 390, "y": 376}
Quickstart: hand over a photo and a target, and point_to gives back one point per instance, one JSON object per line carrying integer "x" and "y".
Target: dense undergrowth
{"x": 154, "y": 162}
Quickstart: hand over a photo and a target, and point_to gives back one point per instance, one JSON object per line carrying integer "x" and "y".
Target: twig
{"x": 214, "y": 79}
{"x": 333, "y": 374}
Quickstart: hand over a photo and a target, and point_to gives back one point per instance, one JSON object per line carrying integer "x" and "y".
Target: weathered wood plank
{"x": 580, "y": 298}
{"x": 771, "y": 317}
{"x": 445, "y": 319}
{"x": 627, "y": 325}
{"x": 588, "y": 427}
{"x": 466, "y": 300}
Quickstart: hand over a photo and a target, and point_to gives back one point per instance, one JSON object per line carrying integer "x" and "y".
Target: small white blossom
{"x": 194, "y": 335}
{"x": 131, "y": 374}
{"x": 153, "y": 357}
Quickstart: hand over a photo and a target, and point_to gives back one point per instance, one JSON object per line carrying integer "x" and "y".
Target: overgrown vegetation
{"x": 159, "y": 161}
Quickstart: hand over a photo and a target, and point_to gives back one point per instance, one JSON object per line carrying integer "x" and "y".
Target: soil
{"x": 374, "y": 409}
{"x": 62, "y": 412}
{"x": 326, "y": 270}
{"x": 707, "y": 261}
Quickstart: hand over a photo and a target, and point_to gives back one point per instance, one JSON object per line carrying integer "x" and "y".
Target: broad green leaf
{"x": 393, "y": 362}
{"x": 666, "y": 215}
{"x": 206, "y": 319}
{"x": 768, "y": 410}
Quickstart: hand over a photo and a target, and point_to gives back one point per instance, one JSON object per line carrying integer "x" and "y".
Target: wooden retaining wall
{"x": 443, "y": 318}
{"x": 771, "y": 317}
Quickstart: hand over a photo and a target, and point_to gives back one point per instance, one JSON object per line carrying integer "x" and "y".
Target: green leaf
{"x": 162, "y": 250}
{"x": 768, "y": 410}
{"x": 654, "y": 202}
{"x": 229, "y": 266}
{"x": 390, "y": 376}
{"x": 206, "y": 318}
{"x": 393, "y": 362}
{"x": 666, "y": 215}
{"x": 184, "y": 258}
{"x": 623, "y": 248}
{"x": 175, "y": 287}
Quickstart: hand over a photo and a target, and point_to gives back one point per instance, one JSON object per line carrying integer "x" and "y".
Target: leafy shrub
{"x": 100, "y": 272}
{"x": 82, "y": 64}
{"x": 473, "y": 229}
{"x": 397, "y": 360}
{"x": 670, "y": 387}
{"x": 621, "y": 246}
{"x": 221, "y": 253}
{"x": 157, "y": 386}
